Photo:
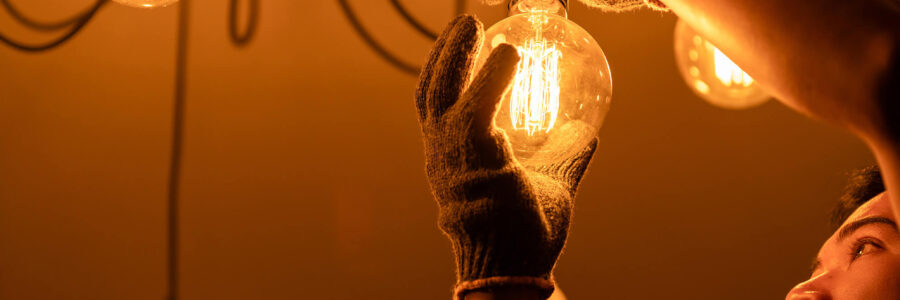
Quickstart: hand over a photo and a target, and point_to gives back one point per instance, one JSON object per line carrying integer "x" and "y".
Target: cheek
{"x": 870, "y": 278}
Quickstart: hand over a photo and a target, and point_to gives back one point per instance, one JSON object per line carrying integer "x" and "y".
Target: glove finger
{"x": 577, "y": 166}
{"x": 483, "y": 96}
{"x": 454, "y": 64}
{"x": 571, "y": 170}
{"x": 657, "y": 5}
{"x": 428, "y": 69}
{"x": 614, "y": 5}
{"x": 558, "y": 145}
{"x": 475, "y": 112}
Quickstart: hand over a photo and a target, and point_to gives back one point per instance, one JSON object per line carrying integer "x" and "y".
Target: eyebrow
{"x": 849, "y": 229}
{"x": 853, "y": 227}
{"x": 814, "y": 265}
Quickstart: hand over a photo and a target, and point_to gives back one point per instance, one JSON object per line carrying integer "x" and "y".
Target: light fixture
{"x": 711, "y": 74}
{"x": 562, "y": 87}
{"x": 146, "y": 3}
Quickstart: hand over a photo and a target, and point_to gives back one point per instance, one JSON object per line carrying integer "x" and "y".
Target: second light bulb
{"x": 711, "y": 74}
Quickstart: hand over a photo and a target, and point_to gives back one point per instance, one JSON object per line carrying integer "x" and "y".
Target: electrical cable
{"x": 47, "y": 46}
{"x": 237, "y": 38}
{"x": 178, "y": 110}
{"x": 460, "y": 7}
{"x": 39, "y": 25}
{"x": 372, "y": 43}
{"x": 381, "y": 50}
{"x": 412, "y": 21}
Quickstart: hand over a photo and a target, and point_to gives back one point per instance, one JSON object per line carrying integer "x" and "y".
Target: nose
{"x": 807, "y": 295}
{"x": 812, "y": 289}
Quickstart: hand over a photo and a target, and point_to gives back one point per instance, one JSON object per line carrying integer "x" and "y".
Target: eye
{"x": 864, "y": 246}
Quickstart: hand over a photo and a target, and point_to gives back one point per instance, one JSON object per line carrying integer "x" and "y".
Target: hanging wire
{"x": 39, "y": 25}
{"x": 412, "y": 21}
{"x": 381, "y": 50}
{"x": 372, "y": 43}
{"x": 460, "y": 7}
{"x": 78, "y": 25}
{"x": 174, "y": 183}
{"x": 237, "y": 38}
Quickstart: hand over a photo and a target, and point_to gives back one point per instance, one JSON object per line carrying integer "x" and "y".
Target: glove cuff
{"x": 544, "y": 286}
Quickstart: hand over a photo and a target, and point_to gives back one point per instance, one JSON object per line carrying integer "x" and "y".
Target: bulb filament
{"x": 534, "y": 100}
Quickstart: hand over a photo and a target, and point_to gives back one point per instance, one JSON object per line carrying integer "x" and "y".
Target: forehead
{"x": 880, "y": 205}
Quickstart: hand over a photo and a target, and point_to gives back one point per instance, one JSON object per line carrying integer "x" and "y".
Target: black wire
{"x": 237, "y": 38}
{"x": 75, "y": 29}
{"x": 378, "y": 48}
{"x": 181, "y": 53}
{"x": 460, "y": 9}
{"x": 38, "y": 25}
{"x": 412, "y": 21}
{"x": 372, "y": 43}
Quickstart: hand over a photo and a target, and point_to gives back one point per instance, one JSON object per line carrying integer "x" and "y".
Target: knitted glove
{"x": 609, "y": 5}
{"x": 507, "y": 222}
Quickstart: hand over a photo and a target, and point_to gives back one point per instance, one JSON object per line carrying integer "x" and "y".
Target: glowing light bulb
{"x": 146, "y": 3}
{"x": 561, "y": 90}
{"x": 711, "y": 74}
{"x": 727, "y": 72}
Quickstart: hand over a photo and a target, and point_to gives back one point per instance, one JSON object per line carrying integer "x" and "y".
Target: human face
{"x": 860, "y": 261}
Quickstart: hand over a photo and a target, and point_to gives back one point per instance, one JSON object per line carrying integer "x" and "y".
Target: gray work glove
{"x": 507, "y": 221}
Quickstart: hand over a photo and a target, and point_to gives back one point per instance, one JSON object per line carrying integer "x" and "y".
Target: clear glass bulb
{"x": 146, "y": 3}
{"x": 711, "y": 74}
{"x": 562, "y": 87}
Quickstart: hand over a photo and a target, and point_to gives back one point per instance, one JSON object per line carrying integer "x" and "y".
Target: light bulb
{"x": 146, "y": 3}
{"x": 561, "y": 90}
{"x": 711, "y": 74}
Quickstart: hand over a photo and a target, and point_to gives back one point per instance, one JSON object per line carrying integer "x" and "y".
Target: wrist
{"x": 511, "y": 293}
{"x": 504, "y": 287}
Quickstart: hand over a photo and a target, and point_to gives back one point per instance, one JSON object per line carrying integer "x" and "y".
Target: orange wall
{"x": 303, "y": 167}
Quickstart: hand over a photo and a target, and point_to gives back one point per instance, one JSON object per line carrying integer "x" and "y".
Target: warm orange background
{"x": 303, "y": 168}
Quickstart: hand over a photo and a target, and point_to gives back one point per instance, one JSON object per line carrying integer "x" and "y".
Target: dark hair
{"x": 863, "y": 184}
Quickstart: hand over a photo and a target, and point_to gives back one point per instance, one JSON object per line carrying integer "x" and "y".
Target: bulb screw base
{"x": 564, "y": 3}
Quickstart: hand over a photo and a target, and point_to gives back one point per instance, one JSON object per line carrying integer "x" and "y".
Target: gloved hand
{"x": 507, "y": 221}
{"x": 609, "y": 5}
